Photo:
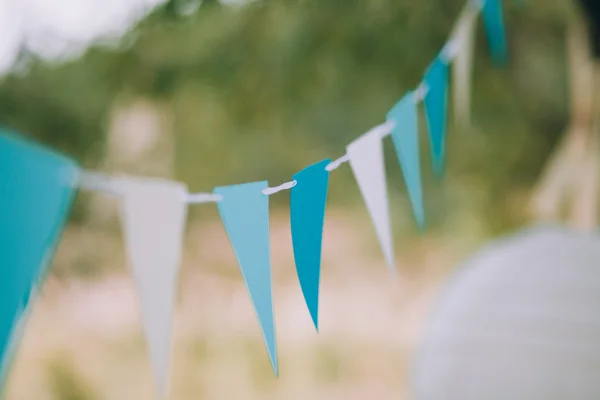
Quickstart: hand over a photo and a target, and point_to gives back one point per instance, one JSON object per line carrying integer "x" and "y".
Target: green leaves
{"x": 263, "y": 90}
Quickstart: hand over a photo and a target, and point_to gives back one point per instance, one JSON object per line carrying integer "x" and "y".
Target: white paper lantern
{"x": 520, "y": 321}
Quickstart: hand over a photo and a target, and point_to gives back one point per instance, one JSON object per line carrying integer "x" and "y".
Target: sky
{"x": 63, "y": 28}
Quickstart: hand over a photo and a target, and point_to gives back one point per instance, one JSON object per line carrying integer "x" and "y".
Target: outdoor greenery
{"x": 262, "y": 90}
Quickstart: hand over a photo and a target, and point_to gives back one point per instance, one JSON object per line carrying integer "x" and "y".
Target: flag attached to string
{"x": 244, "y": 210}
{"x": 37, "y": 187}
{"x": 366, "y": 160}
{"x": 307, "y": 214}
{"x": 405, "y": 136}
{"x": 153, "y": 214}
{"x": 493, "y": 20}
{"x": 462, "y": 66}
{"x": 436, "y": 104}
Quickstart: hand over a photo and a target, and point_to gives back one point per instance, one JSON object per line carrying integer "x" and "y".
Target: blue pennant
{"x": 405, "y": 136}
{"x": 244, "y": 210}
{"x": 307, "y": 213}
{"x": 36, "y": 191}
{"x": 494, "y": 27}
{"x": 436, "y": 104}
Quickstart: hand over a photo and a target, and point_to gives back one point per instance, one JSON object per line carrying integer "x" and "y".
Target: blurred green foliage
{"x": 67, "y": 383}
{"x": 262, "y": 90}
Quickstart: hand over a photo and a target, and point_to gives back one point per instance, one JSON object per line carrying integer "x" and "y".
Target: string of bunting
{"x": 38, "y": 186}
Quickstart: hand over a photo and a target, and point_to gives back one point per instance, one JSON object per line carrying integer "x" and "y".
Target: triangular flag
{"x": 366, "y": 160}
{"x": 436, "y": 102}
{"x": 405, "y": 136}
{"x": 462, "y": 68}
{"x": 307, "y": 214}
{"x": 244, "y": 210}
{"x": 153, "y": 214}
{"x": 36, "y": 191}
{"x": 493, "y": 20}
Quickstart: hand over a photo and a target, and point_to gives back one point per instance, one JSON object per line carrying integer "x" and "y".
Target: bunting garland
{"x": 405, "y": 136}
{"x": 36, "y": 190}
{"x": 462, "y": 67}
{"x": 37, "y": 187}
{"x": 366, "y": 160}
{"x": 307, "y": 214}
{"x": 494, "y": 28}
{"x": 436, "y": 100}
{"x": 153, "y": 214}
{"x": 245, "y": 213}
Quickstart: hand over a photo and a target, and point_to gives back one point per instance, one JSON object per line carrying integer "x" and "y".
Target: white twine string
{"x": 421, "y": 92}
{"x": 448, "y": 54}
{"x": 335, "y": 164}
{"x": 478, "y": 4}
{"x": 201, "y": 198}
{"x": 451, "y": 50}
{"x": 382, "y": 130}
{"x": 284, "y": 186}
{"x": 96, "y": 182}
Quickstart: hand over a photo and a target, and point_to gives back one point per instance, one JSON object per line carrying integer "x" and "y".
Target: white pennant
{"x": 153, "y": 214}
{"x": 464, "y": 34}
{"x": 366, "y": 160}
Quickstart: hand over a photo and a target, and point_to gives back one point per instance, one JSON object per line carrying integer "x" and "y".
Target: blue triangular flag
{"x": 493, "y": 21}
{"x": 405, "y": 136}
{"x": 436, "y": 104}
{"x": 244, "y": 210}
{"x": 307, "y": 214}
{"x": 36, "y": 190}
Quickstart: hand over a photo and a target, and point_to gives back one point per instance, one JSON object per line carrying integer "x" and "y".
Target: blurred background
{"x": 221, "y": 92}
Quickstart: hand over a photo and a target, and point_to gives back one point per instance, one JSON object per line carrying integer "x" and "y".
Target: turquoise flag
{"x": 307, "y": 214}
{"x": 405, "y": 136}
{"x": 436, "y": 109}
{"x": 36, "y": 191}
{"x": 244, "y": 210}
{"x": 493, "y": 21}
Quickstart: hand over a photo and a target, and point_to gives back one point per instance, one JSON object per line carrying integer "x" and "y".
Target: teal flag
{"x": 36, "y": 191}
{"x": 493, "y": 21}
{"x": 436, "y": 109}
{"x": 307, "y": 215}
{"x": 405, "y": 136}
{"x": 244, "y": 210}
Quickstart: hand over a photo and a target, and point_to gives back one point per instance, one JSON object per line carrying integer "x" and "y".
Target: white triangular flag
{"x": 462, "y": 70}
{"x": 366, "y": 160}
{"x": 153, "y": 214}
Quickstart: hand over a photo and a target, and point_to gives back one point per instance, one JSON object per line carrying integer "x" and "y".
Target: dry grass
{"x": 84, "y": 342}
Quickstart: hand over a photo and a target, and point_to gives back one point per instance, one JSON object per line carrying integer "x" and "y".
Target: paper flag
{"x": 494, "y": 28}
{"x": 153, "y": 214}
{"x": 366, "y": 161}
{"x": 307, "y": 214}
{"x": 436, "y": 103}
{"x": 244, "y": 210}
{"x": 462, "y": 67}
{"x": 36, "y": 192}
{"x": 405, "y": 136}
